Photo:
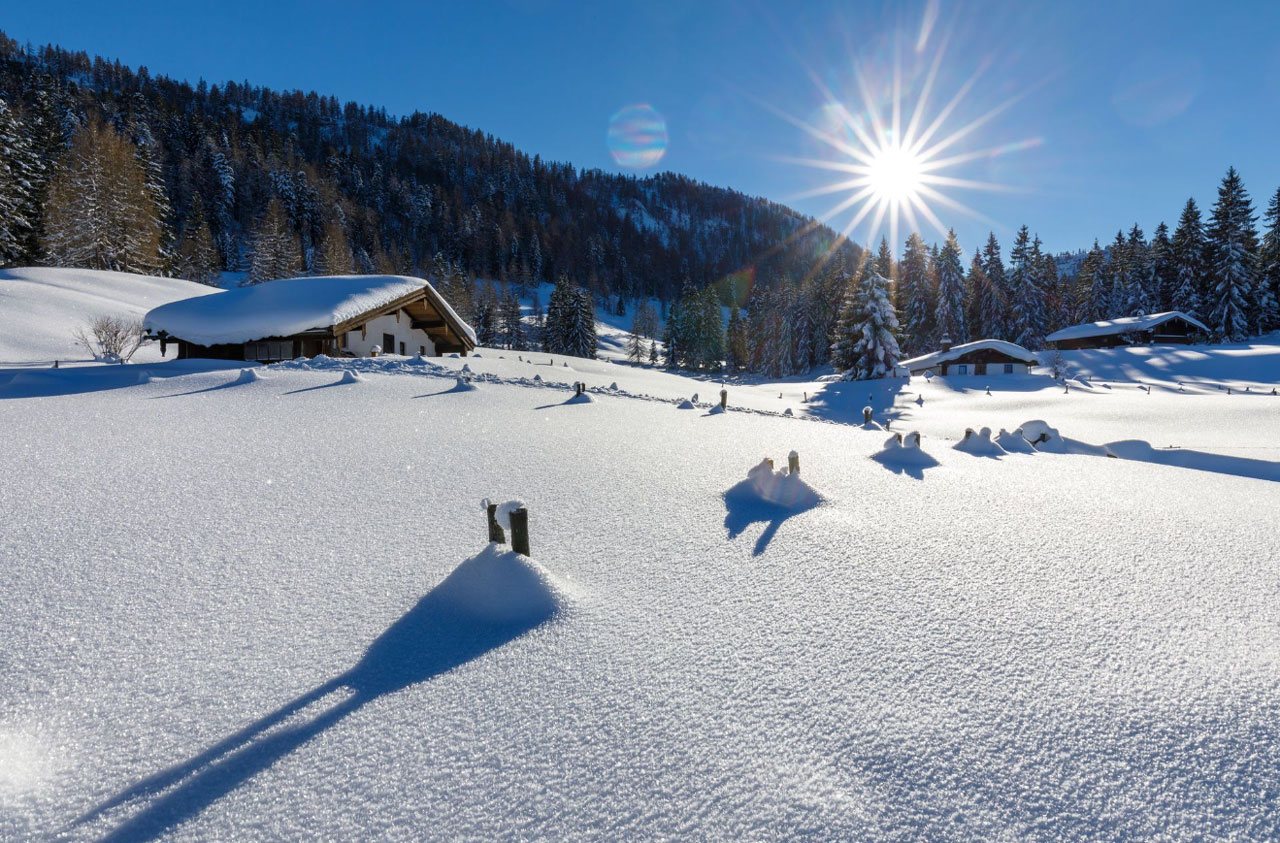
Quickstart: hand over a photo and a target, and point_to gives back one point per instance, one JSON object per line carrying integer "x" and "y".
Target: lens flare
{"x": 637, "y": 136}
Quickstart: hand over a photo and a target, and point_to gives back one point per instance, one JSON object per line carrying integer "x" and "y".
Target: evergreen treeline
{"x": 242, "y": 178}
{"x": 106, "y": 167}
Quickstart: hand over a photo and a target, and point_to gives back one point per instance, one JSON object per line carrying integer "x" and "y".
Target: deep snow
{"x": 264, "y": 607}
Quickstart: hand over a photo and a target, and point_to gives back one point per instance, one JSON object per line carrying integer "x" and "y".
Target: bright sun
{"x": 895, "y": 174}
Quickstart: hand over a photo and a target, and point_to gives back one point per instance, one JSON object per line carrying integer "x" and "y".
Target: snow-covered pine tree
{"x": 559, "y": 309}
{"x": 950, "y": 313}
{"x": 276, "y": 251}
{"x": 18, "y": 162}
{"x": 1269, "y": 266}
{"x": 1160, "y": 253}
{"x": 995, "y": 315}
{"x": 736, "y": 354}
{"x": 582, "y": 330}
{"x": 711, "y": 331}
{"x": 1188, "y": 246}
{"x": 916, "y": 295}
{"x": 1233, "y": 242}
{"x": 512, "y": 323}
{"x": 875, "y": 351}
{"x": 99, "y": 213}
{"x": 198, "y": 257}
{"x": 1139, "y": 277}
{"x": 1093, "y": 288}
{"x": 884, "y": 259}
{"x": 1118, "y": 273}
{"x": 848, "y": 330}
{"x": 1027, "y": 314}
{"x": 977, "y": 291}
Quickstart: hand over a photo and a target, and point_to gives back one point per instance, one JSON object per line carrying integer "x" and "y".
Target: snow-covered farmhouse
{"x": 982, "y": 357}
{"x": 338, "y": 315}
{"x": 1172, "y": 326}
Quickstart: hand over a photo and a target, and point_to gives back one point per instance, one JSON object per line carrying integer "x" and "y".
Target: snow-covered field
{"x": 262, "y": 607}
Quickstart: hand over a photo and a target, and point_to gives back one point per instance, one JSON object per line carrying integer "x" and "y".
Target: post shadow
{"x": 745, "y": 507}
{"x": 432, "y": 638}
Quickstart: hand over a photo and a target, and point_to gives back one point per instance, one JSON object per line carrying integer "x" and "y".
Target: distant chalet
{"x": 337, "y": 315}
{"x": 982, "y": 357}
{"x": 1172, "y": 326}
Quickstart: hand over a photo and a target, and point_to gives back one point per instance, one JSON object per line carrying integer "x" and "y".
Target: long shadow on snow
{"x": 1141, "y": 451}
{"x": 77, "y": 380}
{"x": 745, "y": 507}
{"x": 430, "y": 639}
{"x": 842, "y": 401}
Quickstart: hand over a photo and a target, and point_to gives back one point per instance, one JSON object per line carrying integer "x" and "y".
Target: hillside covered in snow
{"x": 262, "y": 604}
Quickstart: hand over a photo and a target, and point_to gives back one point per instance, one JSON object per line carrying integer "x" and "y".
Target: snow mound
{"x": 902, "y": 450}
{"x": 249, "y": 376}
{"x": 463, "y": 385}
{"x": 501, "y": 587}
{"x": 686, "y": 404}
{"x": 979, "y": 443}
{"x": 581, "y": 398}
{"x": 351, "y": 376}
{"x": 1043, "y": 437}
{"x": 716, "y": 410}
{"x": 1013, "y": 443}
{"x": 781, "y": 488}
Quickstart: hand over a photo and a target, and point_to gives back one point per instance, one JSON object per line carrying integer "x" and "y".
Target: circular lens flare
{"x": 637, "y": 136}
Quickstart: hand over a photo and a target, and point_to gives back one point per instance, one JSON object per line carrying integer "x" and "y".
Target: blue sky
{"x": 1109, "y": 113}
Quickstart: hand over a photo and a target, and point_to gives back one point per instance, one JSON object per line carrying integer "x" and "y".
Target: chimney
{"x": 946, "y": 342}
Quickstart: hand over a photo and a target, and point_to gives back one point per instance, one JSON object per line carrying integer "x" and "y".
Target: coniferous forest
{"x": 107, "y": 167}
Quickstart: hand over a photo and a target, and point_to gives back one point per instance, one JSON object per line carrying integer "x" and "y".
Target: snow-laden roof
{"x": 287, "y": 307}
{"x": 925, "y": 361}
{"x": 1123, "y": 325}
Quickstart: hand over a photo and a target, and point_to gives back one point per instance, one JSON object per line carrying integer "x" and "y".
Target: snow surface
{"x": 283, "y": 308}
{"x": 925, "y": 361}
{"x": 267, "y": 609}
{"x": 1122, "y": 325}
{"x": 40, "y": 308}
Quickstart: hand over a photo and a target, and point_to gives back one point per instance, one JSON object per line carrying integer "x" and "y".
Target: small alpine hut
{"x": 1172, "y": 326}
{"x": 982, "y": 357}
{"x": 337, "y": 315}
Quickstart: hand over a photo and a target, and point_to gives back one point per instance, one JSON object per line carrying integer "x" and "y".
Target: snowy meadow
{"x": 262, "y": 606}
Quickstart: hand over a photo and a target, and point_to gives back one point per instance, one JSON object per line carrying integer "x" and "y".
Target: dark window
{"x": 1008, "y": 368}
{"x": 422, "y": 349}
{"x": 402, "y": 349}
{"x": 962, "y": 369}
{"x": 388, "y": 344}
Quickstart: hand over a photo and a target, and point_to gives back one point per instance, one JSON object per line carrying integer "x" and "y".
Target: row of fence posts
{"x": 519, "y": 528}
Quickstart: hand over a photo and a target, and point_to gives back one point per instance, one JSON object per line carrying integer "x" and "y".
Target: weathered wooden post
{"x": 520, "y": 531}
{"x": 724, "y": 399}
{"x": 55, "y": 364}
{"x": 577, "y": 388}
{"x": 793, "y": 463}
{"x": 495, "y": 529}
{"x": 866, "y": 415}
{"x": 769, "y": 460}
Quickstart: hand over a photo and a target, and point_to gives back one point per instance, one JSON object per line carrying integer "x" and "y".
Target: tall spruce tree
{"x": 1139, "y": 277}
{"x": 18, "y": 165}
{"x": 916, "y": 294}
{"x": 276, "y": 252}
{"x": 950, "y": 312}
{"x": 977, "y": 290}
{"x": 995, "y": 317}
{"x": 1269, "y": 265}
{"x": 1233, "y": 243}
{"x": 1188, "y": 246}
{"x": 1160, "y": 253}
{"x": 1027, "y": 313}
{"x": 197, "y": 258}
{"x": 875, "y": 350}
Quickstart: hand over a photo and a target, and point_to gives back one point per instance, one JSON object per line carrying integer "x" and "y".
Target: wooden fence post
{"x": 793, "y": 463}
{"x": 866, "y": 415}
{"x": 724, "y": 399}
{"x": 495, "y": 529}
{"x": 520, "y": 531}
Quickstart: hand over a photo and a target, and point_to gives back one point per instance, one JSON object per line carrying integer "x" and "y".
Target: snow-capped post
{"x": 55, "y": 364}
{"x": 520, "y": 531}
{"x": 866, "y": 415}
{"x": 577, "y": 387}
{"x": 495, "y": 529}
{"x": 724, "y": 399}
{"x": 769, "y": 460}
{"x": 793, "y": 463}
